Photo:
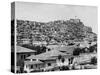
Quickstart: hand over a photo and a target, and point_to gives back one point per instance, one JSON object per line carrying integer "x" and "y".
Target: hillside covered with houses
{"x": 60, "y": 31}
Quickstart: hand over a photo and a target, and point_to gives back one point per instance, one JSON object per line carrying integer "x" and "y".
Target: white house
{"x": 32, "y": 65}
{"x": 50, "y": 59}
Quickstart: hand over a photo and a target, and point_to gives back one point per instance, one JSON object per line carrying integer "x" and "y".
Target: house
{"x": 22, "y": 53}
{"x": 39, "y": 43}
{"x": 62, "y": 48}
{"x": 52, "y": 42}
{"x": 50, "y": 59}
{"x": 74, "y": 20}
{"x": 84, "y": 59}
{"x": 82, "y": 44}
{"x": 67, "y": 49}
{"x": 32, "y": 65}
{"x": 23, "y": 41}
{"x": 46, "y": 63}
{"x": 93, "y": 43}
{"x": 52, "y": 47}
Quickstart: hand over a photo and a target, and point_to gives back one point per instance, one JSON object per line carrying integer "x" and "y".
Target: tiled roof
{"x": 83, "y": 44}
{"x": 33, "y": 62}
{"x": 20, "y": 49}
{"x": 52, "y": 46}
{"x": 47, "y": 55}
{"x": 93, "y": 43}
{"x": 67, "y": 49}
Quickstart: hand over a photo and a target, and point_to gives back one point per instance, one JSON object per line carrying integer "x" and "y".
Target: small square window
{"x": 49, "y": 64}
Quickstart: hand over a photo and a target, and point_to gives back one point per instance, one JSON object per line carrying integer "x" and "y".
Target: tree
{"x": 76, "y": 51}
{"x": 94, "y": 60}
{"x": 91, "y": 49}
{"x": 59, "y": 57}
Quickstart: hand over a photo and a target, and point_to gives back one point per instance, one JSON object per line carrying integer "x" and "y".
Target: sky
{"x": 42, "y": 12}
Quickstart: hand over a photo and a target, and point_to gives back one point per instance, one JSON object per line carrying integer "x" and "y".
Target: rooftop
{"x": 47, "y": 55}
{"x": 33, "y": 62}
{"x": 23, "y": 50}
{"x": 67, "y": 49}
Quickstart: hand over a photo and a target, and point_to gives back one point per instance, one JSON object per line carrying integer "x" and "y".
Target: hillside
{"x": 60, "y": 30}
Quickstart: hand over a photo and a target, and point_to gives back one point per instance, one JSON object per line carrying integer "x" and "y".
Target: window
{"x": 49, "y": 49}
{"x": 33, "y": 59}
{"x": 27, "y": 59}
{"x": 35, "y": 66}
{"x": 24, "y": 56}
{"x": 21, "y": 56}
{"x": 63, "y": 60}
{"x": 28, "y": 55}
{"x": 31, "y": 66}
{"x": 49, "y": 64}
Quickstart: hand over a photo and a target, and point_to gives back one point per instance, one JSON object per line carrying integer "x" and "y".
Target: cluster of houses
{"x": 55, "y": 58}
